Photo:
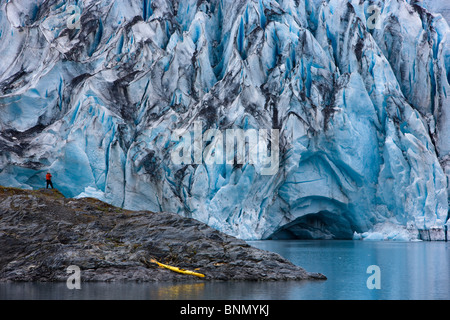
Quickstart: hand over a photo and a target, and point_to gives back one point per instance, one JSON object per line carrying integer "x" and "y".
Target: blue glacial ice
{"x": 363, "y": 112}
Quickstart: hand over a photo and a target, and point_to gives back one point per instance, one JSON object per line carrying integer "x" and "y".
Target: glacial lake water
{"x": 407, "y": 270}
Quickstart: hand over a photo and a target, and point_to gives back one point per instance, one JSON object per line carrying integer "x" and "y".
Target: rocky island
{"x": 42, "y": 233}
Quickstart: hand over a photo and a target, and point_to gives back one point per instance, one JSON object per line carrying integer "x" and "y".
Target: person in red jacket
{"x": 48, "y": 177}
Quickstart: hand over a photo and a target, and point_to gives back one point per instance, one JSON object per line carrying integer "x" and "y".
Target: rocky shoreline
{"x": 42, "y": 233}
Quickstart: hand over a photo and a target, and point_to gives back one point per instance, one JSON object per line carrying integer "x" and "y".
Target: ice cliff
{"x": 359, "y": 92}
{"x": 439, "y": 6}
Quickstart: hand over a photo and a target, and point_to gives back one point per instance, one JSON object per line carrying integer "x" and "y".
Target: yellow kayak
{"x": 179, "y": 270}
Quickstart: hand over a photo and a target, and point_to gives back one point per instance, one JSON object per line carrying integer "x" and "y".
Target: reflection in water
{"x": 181, "y": 291}
{"x": 159, "y": 291}
{"x": 409, "y": 270}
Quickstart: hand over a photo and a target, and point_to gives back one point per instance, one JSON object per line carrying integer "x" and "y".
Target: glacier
{"x": 93, "y": 91}
{"x": 437, "y": 6}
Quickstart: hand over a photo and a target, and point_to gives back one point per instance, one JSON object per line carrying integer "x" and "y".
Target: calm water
{"x": 409, "y": 270}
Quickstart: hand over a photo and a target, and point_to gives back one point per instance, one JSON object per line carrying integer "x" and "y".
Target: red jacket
{"x": 48, "y": 176}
